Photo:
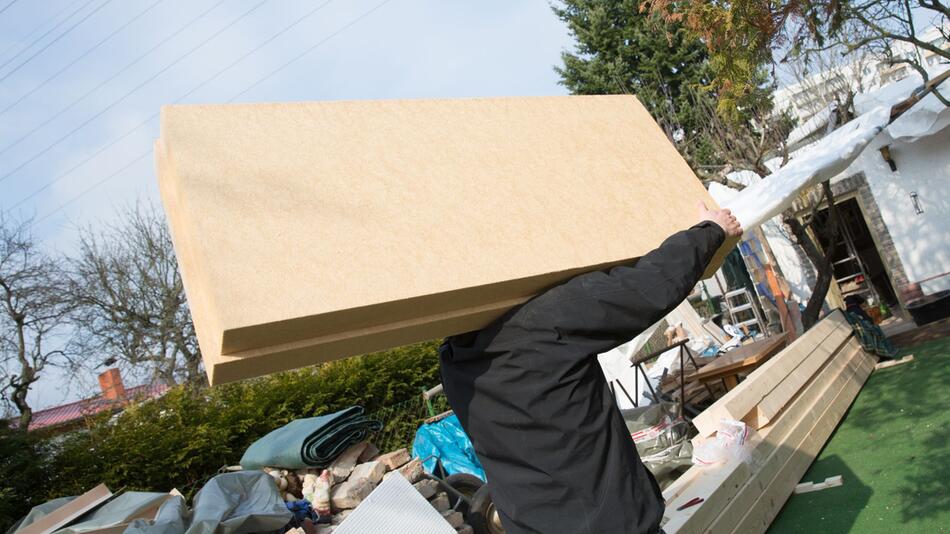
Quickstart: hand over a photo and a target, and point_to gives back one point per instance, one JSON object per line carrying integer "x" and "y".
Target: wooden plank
{"x": 808, "y": 487}
{"x": 891, "y": 363}
{"x": 738, "y": 402}
{"x": 720, "y": 484}
{"x": 802, "y": 424}
{"x": 741, "y": 358}
{"x": 69, "y": 512}
{"x": 775, "y": 400}
{"x": 311, "y": 231}
{"x": 770, "y": 500}
{"x": 765, "y": 493}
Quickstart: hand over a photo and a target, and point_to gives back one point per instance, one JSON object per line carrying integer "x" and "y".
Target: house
{"x": 894, "y": 248}
{"x": 114, "y": 398}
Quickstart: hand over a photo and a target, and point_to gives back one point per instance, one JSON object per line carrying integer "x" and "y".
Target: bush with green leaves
{"x": 23, "y": 470}
{"x": 185, "y": 437}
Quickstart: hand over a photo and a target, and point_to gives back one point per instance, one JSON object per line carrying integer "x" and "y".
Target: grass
{"x": 893, "y": 449}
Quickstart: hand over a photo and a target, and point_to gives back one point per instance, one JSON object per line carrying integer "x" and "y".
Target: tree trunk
{"x": 821, "y": 261}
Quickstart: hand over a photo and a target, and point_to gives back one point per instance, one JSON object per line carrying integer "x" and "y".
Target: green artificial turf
{"x": 892, "y": 449}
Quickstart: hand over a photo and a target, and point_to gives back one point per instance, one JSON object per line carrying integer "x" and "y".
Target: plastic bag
{"x": 447, "y": 442}
{"x": 729, "y": 444}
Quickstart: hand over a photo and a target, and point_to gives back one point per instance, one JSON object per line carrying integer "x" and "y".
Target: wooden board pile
{"x": 354, "y": 476}
{"x": 794, "y": 401}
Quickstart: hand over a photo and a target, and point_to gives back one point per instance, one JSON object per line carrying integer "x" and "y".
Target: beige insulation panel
{"x": 317, "y": 230}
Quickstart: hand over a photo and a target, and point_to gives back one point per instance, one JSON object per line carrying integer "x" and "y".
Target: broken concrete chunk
{"x": 427, "y": 487}
{"x": 372, "y": 471}
{"x": 465, "y": 529}
{"x": 454, "y": 518}
{"x": 344, "y": 464}
{"x": 369, "y": 453}
{"x": 325, "y": 529}
{"x": 350, "y": 493}
{"x": 440, "y": 502}
{"x": 412, "y": 471}
{"x": 395, "y": 459}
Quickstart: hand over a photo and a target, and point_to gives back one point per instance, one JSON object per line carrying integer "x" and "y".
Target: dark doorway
{"x": 857, "y": 262}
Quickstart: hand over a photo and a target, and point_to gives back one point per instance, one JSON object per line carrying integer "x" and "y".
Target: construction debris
{"x": 830, "y": 482}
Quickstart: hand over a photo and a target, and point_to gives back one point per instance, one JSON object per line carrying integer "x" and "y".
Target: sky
{"x": 81, "y": 82}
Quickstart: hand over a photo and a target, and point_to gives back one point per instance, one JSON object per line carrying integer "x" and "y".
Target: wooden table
{"x": 743, "y": 359}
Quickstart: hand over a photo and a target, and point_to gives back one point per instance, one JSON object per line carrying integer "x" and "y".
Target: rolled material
{"x": 313, "y": 442}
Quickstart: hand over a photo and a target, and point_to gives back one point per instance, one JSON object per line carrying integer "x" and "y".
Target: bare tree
{"x": 131, "y": 306}
{"x": 33, "y": 314}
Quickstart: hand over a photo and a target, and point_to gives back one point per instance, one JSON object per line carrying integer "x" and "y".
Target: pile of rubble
{"x": 355, "y": 474}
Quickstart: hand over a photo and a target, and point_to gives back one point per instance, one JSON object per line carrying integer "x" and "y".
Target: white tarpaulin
{"x": 833, "y": 153}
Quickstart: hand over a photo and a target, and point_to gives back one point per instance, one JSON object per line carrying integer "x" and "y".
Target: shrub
{"x": 185, "y": 437}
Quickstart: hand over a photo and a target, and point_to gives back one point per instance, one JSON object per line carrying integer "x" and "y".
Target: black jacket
{"x": 529, "y": 392}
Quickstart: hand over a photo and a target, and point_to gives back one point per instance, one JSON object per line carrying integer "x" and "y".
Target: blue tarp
{"x": 446, "y": 441}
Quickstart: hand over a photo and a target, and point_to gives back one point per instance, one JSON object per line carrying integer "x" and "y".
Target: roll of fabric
{"x": 313, "y": 442}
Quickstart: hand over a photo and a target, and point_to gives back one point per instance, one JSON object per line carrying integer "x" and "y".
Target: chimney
{"x": 111, "y": 384}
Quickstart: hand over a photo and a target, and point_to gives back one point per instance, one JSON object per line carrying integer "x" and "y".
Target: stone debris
{"x": 369, "y": 453}
{"x": 454, "y": 518}
{"x": 344, "y": 464}
{"x": 349, "y": 494}
{"x": 354, "y": 475}
{"x": 427, "y": 487}
{"x": 372, "y": 471}
{"x": 440, "y": 502}
{"x": 396, "y": 459}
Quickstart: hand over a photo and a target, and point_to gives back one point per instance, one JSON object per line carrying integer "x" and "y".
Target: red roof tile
{"x": 73, "y": 411}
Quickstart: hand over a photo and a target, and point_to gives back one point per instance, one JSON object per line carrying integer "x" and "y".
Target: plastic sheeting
{"x": 119, "y": 511}
{"x": 38, "y": 512}
{"x": 235, "y": 503}
{"x": 832, "y": 154}
{"x": 310, "y": 442}
{"x": 446, "y": 441}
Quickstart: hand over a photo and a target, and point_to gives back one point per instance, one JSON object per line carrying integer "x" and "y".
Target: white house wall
{"x": 922, "y": 240}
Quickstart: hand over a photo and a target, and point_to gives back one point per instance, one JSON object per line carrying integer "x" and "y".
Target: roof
{"x": 74, "y": 411}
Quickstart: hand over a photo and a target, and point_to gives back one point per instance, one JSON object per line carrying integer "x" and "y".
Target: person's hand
{"x": 723, "y": 218}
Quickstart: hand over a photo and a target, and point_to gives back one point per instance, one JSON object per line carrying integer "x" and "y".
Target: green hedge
{"x": 185, "y": 437}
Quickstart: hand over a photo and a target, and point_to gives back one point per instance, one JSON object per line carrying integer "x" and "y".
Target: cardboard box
{"x": 312, "y": 231}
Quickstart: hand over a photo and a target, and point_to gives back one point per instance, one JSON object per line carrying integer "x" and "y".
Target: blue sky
{"x": 370, "y": 49}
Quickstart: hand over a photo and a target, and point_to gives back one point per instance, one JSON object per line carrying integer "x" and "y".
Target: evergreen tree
{"x": 620, "y": 49}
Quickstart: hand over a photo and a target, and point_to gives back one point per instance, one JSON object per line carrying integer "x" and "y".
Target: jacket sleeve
{"x": 607, "y": 309}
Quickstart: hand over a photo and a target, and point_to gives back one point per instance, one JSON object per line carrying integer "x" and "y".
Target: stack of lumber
{"x": 794, "y": 401}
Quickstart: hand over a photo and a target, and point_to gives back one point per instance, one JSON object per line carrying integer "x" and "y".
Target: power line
{"x": 81, "y": 56}
{"x": 40, "y": 38}
{"x": 311, "y": 49}
{"x": 258, "y": 82}
{"x": 127, "y": 66}
{"x": 6, "y": 7}
{"x": 155, "y": 115}
{"x": 36, "y": 29}
{"x": 93, "y": 186}
{"x": 57, "y": 38}
{"x": 126, "y": 95}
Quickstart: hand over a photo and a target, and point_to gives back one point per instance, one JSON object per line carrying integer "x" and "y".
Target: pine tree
{"x": 620, "y": 49}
